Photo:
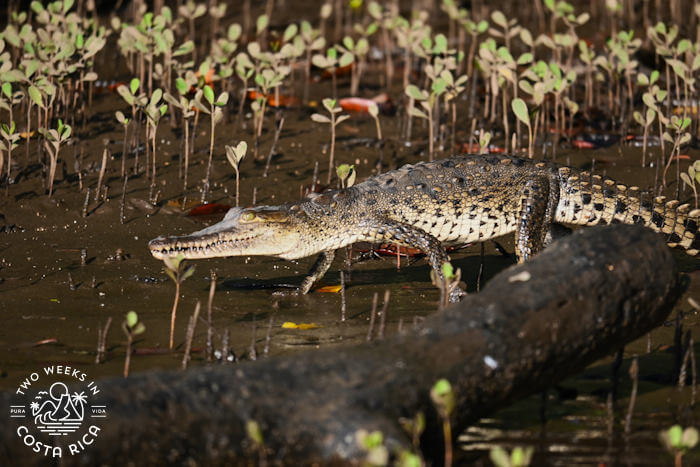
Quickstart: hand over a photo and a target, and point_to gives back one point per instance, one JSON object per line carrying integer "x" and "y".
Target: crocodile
{"x": 431, "y": 205}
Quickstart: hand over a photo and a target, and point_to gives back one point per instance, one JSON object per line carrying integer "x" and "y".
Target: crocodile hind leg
{"x": 404, "y": 234}
{"x": 534, "y": 222}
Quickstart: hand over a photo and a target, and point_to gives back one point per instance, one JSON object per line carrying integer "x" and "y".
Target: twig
{"x": 382, "y": 318}
{"x": 342, "y": 297}
{"x": 266, "y": 351}
{"x": 190, "y": 335}
{"x": 103, "y": 168}
{"x": 225, "y": 346}
{"x": 85, "y": 203}
{"x": 278, "y": 130}
{"x": 634, "y": 374}
{"x": 481, "y": 268}
{"x": 253, "y": 354}
{"x": 210, "y": 331}
{"x": 691, "y": 347}
{"x": 102, "y": 340}
{"x": 122, "y": 218}
{"x": 372, "y": 316}
{"x": 314, "y": 179}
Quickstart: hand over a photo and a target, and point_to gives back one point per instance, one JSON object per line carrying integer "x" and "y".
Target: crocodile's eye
{"x": 248, "y": 216}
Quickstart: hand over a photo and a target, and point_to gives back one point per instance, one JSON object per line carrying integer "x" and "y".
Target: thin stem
{"x": 173, "y": 313}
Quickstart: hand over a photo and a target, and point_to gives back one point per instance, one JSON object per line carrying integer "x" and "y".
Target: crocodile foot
{"x": 457, "y": 294}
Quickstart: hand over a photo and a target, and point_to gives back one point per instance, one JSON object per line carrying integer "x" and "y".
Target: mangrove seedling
{"x": 234, "y": 156}
{"x": 125, "y": 123}
{"x": 154, "y": 110}
{"x": 11, "y": 137}
{"x": 427, "y": 101}
{"x": 414, "y": 427}
{"x": 186, "y": 107}
{"x": 448, "y": 283}
{"x": 52, "y": 143}
{"x": 136, "y": 102}
{"x": 645, "y": 120}
{"x": 330, "y": 62}
{"x": 175, "y": 269}
{"x": 373, "y": 444}
{"x": 346, "y": 174}
{"x": 358, "y": 50}
{"x": 310, "y": 39}
{"x": 215, "y": 116}
{"x": 254, "y": 432}
{"x": 444, "y": 400}
{"x": 677, "y": 126}
{"x": 484, "y": 140}
{"x": 691, "y": 178}
{"x": 132, "y": 327}
{"x": 678, "y": 441}
{"x": 330, "y": 106}
{"x": 520, "y": 111}
{"x": 373, "y": 110}
{"x": 519, "y": 457}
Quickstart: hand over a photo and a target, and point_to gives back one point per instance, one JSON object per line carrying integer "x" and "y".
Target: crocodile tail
{"x": 678, "y": 223}
{"x": 591, "y": 199}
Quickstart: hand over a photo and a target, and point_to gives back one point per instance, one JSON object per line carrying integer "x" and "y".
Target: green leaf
{"x": 520, "y": 110}
{"x": 440, "y": 46}
{"x": 413, "y": 91}
{"x": 320, "y": 118}
{"x": 675, "y": 436}
{"x": 209, "y": 94}
{"x": 181, "y": 86}
{"x": 690, "y": 437}
{"x": 329, "y": 104}
{"x": 373, "y": 110}
{"x": 35, "y": 95}
{"x": 414, "y": 112}
{"x": 448, "y": 271}
{"x": 7, "y": 90}
{"x": 499, "y": 456}
{"x": 126, "y": 95}
{"x": 254, "y": 432}
{"x": 443, "y": 396}
{"x": 140, "y": 328}
{"x": 499, "y": 18}
{"x": 346, "y": 59}
{"x": 134, "y": 85}
{"x": 261, "y": 23}
{"x": 439, "y": 86}
{"x": 234, "y": 32}
{"x": 131, "y": 319}
{"x": 189, "y": 270}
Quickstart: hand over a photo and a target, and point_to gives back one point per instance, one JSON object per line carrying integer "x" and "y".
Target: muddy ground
{"x": 52, "y": 303}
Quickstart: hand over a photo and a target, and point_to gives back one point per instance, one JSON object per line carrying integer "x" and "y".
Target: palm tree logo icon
{"x": 57, "y": 412}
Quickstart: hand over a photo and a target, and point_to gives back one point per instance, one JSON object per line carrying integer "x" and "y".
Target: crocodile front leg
{"x": 404, "y": 234}
{"x": 317, "y": 271}
{"x": 319, "y": 268}
{"x": 535, "y": 212}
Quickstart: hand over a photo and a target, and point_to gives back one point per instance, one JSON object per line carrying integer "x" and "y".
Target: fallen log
{"x": 532, "y": 325}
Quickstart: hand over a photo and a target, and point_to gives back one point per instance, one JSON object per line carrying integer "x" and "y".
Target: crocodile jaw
{"x": 231, "y": 237}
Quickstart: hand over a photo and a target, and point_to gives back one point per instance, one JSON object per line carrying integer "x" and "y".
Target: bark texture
{"x": 533, "y": 325}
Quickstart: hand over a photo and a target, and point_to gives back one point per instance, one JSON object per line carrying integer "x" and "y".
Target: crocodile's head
{"x": 267, "y": 231}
